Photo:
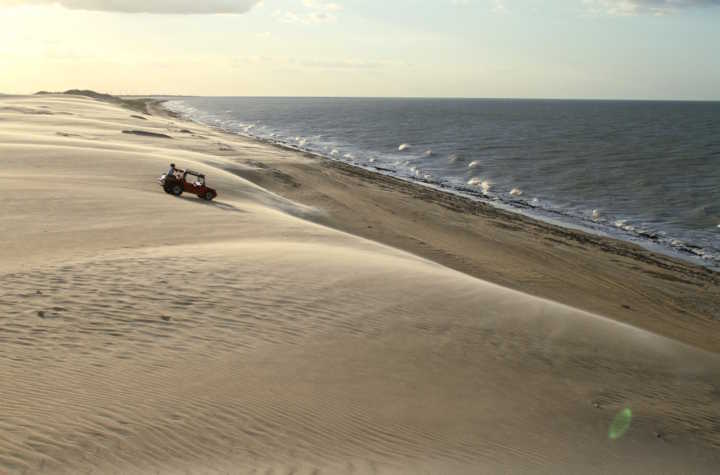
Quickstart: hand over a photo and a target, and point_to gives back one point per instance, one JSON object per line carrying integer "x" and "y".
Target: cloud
{"x": 314, "y": 11}
{"x": 613, "y": 7}
{"x": 147, "y": 6}
{"x": 656, "y": 7}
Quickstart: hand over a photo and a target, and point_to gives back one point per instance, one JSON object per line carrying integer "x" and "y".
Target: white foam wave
{"x": 481, "y": 183}
{"x": 404, "y": 147}
{"x": 516, "y": 192}
{"x": 622, "y": 224}
{"x": 428, "y": 153}
{"x": 474, "y": 164}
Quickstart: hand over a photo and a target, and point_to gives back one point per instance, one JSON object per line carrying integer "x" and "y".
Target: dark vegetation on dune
{"x": 146, "y": 134}
{"x": 137, "y": 105}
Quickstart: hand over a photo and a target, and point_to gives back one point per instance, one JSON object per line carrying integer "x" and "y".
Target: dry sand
{"x": 141, "y": 333}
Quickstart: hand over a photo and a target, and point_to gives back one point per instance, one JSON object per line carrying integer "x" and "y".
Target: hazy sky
{"x": 667, "y": 49}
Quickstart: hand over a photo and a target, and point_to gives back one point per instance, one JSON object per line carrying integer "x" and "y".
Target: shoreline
{"x": 654, "y": 242}
{"x": 467, "y": 203}
{"x": 669, "y": 286}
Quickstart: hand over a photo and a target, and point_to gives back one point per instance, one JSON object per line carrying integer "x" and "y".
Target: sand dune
{"x": 142, "y": 333}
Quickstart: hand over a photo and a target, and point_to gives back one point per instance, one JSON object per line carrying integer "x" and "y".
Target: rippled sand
{"x": 142, "y": 333}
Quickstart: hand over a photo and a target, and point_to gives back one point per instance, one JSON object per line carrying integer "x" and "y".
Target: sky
{"x": 604, "y": 49}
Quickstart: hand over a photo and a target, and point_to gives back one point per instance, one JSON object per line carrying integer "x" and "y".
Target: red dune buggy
{"x": 187, "y": 181}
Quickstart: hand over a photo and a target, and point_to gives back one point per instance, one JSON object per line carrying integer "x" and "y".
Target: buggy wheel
{"x": 176, "y": 190}
{"x": 209, "y": 196}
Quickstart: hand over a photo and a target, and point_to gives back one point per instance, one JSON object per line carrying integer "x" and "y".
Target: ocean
{"x": 646, "y": 172}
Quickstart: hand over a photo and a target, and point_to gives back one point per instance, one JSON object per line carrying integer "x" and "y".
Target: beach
{"x": 320, "y": 318}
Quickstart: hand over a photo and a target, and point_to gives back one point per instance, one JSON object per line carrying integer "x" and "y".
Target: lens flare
{"x": 620, "y": 424}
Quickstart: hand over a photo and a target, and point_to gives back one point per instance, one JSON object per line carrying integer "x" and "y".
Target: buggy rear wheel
{"x": 176, "y": 189}
{"x": 209, "y": 196}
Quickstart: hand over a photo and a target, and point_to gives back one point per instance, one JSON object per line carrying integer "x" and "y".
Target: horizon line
{"x": 426, "y": 97}
{"x": 477, "y": 98}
